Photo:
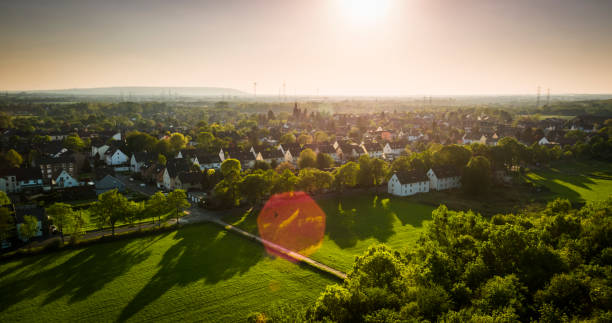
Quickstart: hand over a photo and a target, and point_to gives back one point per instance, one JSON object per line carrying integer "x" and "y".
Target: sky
{"x": 326, "y": 47}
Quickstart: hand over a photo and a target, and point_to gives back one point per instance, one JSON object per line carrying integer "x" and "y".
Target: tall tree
{"x": 13, "y": 158}
{"x": 29, "y": 228}
{"x": 110, "y": 208}
{"x": 324, "y": 161}
{"x": 177, "y": 201}
{"x": 346, "y": 175}
{"x": 7, "y": 223}
{"x": 157, "y": 206}
{"x": 4, "y": 199}
{"x": 308, "y": 158}
{"x": 61, "y": 215}
{"x": 253, "y": 187}
{"x": 477, "y": 175}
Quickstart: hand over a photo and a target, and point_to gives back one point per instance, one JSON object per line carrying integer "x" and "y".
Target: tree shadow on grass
{"x": 201, "y": 252}
{"x": 353, "y": 220}
{"x": 563, "y": 190}
{"x": 78, "y": 277}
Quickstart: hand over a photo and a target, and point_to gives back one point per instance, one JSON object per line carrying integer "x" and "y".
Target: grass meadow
{"x": 395, "y": 221}
{"x": 579, "y": 182}
{"x": 199, "y": 273}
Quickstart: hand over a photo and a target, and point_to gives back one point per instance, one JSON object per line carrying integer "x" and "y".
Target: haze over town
{"x": 327, "y": 47}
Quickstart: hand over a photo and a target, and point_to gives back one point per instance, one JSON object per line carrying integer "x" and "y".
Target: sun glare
{"x": 364, "y": 11}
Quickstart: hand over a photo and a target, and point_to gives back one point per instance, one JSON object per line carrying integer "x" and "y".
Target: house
{"x": 395, "y": 148}
{"x": 473, "y": 137}
{"x": 17, "y": 180}
{"x": 408, "y": 183}
{"x": 98, "y": 148}
{"x": 31, "y": 210}
{"x": 373, "y": 149}
{"x": 115, "y": 157}
{"x": 543, "y": 141}
{"x": 271, "y": 156}
{"x": 140, "y": 159}
{"x": 50, "y": 166}
{"x": 65, "y": 180}
{"x": 172, "y": 171}
{"x": 207, "y": 161}
{"x": 443, "y": 178}
{"x": 109, "y": 183}
{"x": 189, "y": 181}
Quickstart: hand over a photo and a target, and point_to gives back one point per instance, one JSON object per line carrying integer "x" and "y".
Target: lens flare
{"x": 294, "y": 221}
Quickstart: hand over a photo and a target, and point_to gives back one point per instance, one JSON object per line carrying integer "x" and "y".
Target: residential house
{"x": 443, "y": 178}
{"x": 109, "y": 183}
{"x": 189, "y": 181}
{"x": 65, "y": 180}
{"x": 373, "y": 149}
{"x": 408, "y": 183}
{"x": 115, "y": 157}
{"x": 543, "y": 141}
{"x": 270, "y": 156}
{"x": 140, "y": 159}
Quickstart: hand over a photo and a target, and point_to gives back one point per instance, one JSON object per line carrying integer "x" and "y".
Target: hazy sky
{"x": 359, "y": 47}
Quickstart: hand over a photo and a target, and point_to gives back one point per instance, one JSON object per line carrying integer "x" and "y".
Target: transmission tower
{"x": 255, "y": 89}
{"x": 548, "y": 96}
{"x": 538, "y": 99}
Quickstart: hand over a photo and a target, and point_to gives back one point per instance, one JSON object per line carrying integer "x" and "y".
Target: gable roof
{"x": 445, "y": 172}
{"x": 411, "y": 177}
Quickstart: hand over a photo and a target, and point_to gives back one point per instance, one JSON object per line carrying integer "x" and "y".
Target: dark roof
{"x": 63, "y": 159}
{"x": 177, "y": 166}
{"x": 109, "y": 182}
{"x": 208, "y": 158}
{"x": 372, "y": 146}
{"x": 411, "y": 177}
{"x": 444, "y": 172}
{"x": 145, "y": 157}
{"x": 22, "y": 174}
{"x": 274, "y": 153}
{"x": 191, "y": 177}
{"x": 243, "y": 155}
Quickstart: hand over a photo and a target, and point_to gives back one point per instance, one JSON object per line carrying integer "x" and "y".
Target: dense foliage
{"x": 551, "y": 266}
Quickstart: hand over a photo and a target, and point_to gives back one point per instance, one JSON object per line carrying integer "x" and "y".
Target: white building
{"x": 406, "y": 184}
{"x": 64, "y": 180}
{"x": 543, "y": 141}
{"x": 443, "y": 179}
{"x": 115, "y": 157}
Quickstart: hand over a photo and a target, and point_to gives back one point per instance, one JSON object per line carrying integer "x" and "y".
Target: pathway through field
{"x": 199, "y": 216}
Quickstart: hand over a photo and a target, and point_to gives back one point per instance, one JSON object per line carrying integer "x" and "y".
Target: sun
{"x": 364, "y": 11}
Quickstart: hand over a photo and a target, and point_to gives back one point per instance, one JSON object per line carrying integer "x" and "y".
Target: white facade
{"x": 99, "y": 150}
{"x": 65, "y": 180}
{"x": 134, "y": 164}
{"x": 117, "y": 158}
{"x": 443, "y": 183}
{"x": 543, "y": 141}
{"x": 395, "y": 187}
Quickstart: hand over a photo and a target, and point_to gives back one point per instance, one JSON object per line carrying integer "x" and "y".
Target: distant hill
{"x": 146, "y": 91}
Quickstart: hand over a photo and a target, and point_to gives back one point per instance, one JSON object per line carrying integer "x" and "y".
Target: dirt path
{"x": 199, "y": 216}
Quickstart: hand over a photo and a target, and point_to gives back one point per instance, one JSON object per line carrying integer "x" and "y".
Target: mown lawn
{"x": 397, "y": 222}
{"x": 200, "y": 273}
{"x": 577, "y": 181}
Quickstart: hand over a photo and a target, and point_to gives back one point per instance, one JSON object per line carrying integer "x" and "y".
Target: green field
{"x": 200, "y": 273}
{"x": 577, "y": 181}
{"x": 395, "y": 221}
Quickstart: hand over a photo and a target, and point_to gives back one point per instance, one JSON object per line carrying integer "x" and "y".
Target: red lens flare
{"x": 294, "y": 221}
